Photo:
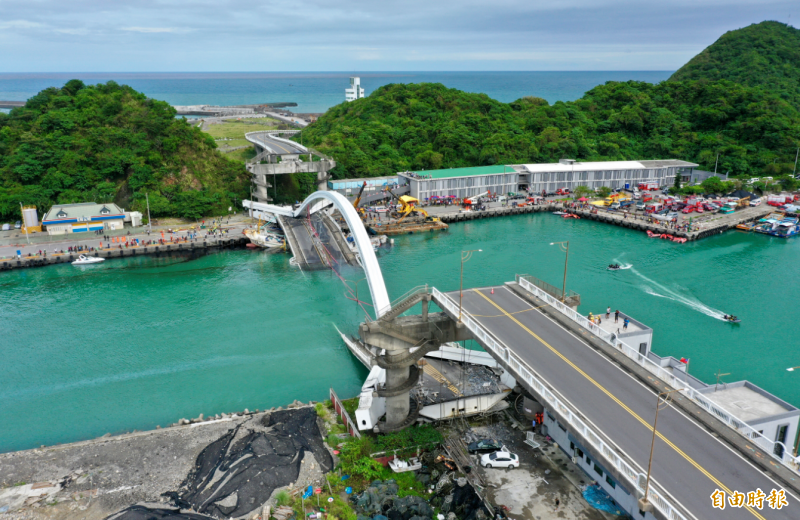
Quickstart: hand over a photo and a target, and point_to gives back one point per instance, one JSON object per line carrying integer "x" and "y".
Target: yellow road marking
{"x": 623, "y": 405}
{"x": 438, "y": 376}
{"x": 516, "y": 312}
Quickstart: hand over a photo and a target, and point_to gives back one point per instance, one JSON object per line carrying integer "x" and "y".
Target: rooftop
{"x": 747, "y": 401}
{"x": 83, "y": 209}
{"x": 462, "y": 172}
{"x": 604, "y": 165}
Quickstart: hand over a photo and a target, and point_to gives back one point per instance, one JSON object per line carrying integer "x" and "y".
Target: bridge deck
{"x": 688, "y": 463}
{"x": 314, "y": 244}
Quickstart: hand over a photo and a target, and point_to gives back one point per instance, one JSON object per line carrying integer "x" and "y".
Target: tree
{"x": 604, "y": 191}
{"x": 582, "y": 191}
{"x": 677, "y": 185}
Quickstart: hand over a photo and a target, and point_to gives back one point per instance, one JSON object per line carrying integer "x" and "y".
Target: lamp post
{"x": 465, "y": 256}
{"x": 644, "y": 504}
{"x": 564, "y": 247}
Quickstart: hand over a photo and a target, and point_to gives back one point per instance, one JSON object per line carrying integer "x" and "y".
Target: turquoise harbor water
{"x": 136, "y": 343}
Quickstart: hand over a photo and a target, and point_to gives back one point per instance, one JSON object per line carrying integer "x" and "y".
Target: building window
{"x": 598, "y": 470}
{"x": 611, "y": 482}
{"x": 562, "y": 427}
{"x": 61, "y": 214}
{"x": 550, "y": 416}
{"x": 579, "y": 453}
{"x": 105, "y": 211}
{"x": 588, "y": 461}
{"x": 572, "y": 446}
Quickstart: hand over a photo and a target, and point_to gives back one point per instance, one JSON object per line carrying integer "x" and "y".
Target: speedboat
{"x": 614, "y": 268}
{"x": 731, "y": 319}
{"x": 560, "y": 213}
{"x": 88, "y": 260}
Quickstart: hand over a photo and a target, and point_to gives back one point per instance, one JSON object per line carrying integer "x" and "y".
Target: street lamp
{"x": 465, "y": 256}
{"x": 564, "y": 247}
{"x": 644, "y": 504}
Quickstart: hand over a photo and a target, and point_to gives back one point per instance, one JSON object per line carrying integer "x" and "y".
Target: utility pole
{"x": 149, "y": 222}
{"x": 796, "y": 155}
{"x": 715, "y": 164}
{"x": 22, "y": 212}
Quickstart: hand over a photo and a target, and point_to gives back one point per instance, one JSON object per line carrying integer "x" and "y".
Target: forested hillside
{"x": 765, "y": 54}
{"x": 110, "y": 143}
{"x": 428, "y": 126}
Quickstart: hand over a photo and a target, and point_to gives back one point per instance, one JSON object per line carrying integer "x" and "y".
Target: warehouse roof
{"x": 604, "y": 165}
{"x": 461, "y": 172}
{"x": 83, "y": 209}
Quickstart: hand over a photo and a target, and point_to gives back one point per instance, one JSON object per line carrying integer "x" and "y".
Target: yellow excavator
{"x": 407, "y": 207}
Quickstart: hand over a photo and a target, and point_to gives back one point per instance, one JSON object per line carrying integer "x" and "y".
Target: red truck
{"x": 648, "y": 186}
{"x": 562, "y": 191}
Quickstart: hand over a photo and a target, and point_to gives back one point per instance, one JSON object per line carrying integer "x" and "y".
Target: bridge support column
{"x": 397, "y": 407}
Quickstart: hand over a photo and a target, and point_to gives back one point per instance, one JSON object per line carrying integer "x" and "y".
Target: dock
{"x": 633, "y": 221}
{"x": 198, "y": 246}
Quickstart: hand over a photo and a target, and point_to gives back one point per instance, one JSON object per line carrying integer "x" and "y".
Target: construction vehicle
{"x": 420, "y": 222}
{"x": 356, "y": 202}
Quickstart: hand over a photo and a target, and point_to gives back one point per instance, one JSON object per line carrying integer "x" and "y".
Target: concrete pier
{"x": 199, "y": 246}
{"x": 635, "y": 222}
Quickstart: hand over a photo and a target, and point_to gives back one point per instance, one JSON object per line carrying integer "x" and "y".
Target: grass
{"x": 236, "y": 129}
{"x": 242, "y": 155}
{"x": 282, "y": 498}
{"x": 351, "y": 405}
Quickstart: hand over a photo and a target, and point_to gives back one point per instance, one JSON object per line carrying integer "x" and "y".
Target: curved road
{"x": 279, "y": 147}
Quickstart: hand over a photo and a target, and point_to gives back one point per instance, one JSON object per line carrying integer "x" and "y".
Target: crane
{"x": 407, "y": 206}
{"x": 360, "y": 192}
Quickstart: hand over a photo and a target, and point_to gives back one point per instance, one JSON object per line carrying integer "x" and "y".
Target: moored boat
{"x": 88, "y": 260}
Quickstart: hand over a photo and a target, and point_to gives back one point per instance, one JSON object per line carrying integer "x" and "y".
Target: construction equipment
{"x": 360, "y": 192}
{"x": 407, "y": 207}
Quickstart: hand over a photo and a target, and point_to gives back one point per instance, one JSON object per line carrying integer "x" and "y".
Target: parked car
{"x": 379, "y": 209}
{"x": 484, "y": 446}
{"x": 688, "y": 209}
{"x": 640, "y": 206}
{"x": 672, "y": 215}
{"x": 17, "y": 224}
{"x": 500, "y": 459}
{"x": 6, "y": 227}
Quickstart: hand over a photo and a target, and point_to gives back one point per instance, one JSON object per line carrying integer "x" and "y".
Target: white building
{"x": 355, "y": 91}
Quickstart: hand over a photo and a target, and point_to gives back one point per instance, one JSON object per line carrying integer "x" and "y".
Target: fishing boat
{"x": 263, "y": 238}
{"x": 401, "y": 466}
{"x": 88, "y": 260}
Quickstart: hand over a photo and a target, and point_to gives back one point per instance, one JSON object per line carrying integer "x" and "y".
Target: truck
{"x": 562, "y": 191}
{"x": 625, "y": 203}
{"x": 648, "y": 186}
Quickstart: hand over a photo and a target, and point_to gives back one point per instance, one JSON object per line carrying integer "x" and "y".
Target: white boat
{"x": 264, "y": 239}
{"x": 88, "y": 260}
{"x": 560, "y": 213}
{"x": 401, "y": 466}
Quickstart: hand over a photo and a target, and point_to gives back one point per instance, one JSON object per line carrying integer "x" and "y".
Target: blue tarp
{"x": 599, "y": 499}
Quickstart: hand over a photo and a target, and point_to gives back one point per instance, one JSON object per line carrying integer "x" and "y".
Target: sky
{"x": 368, "y": 35}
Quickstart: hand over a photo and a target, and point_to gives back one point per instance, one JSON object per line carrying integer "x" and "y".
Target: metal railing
{"x": 420, "y": 289}
{"x": 786, "y": 458}
{"x": 526, "y": 373}
{"x": 549, "y": 288}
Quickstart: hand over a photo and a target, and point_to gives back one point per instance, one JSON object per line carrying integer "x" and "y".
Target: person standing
{"x": 608, "y": 312}
{"x": 625, "y": 324}
{"x": 616, "y": 316}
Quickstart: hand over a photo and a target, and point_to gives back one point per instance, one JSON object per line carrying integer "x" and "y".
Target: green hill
{"x": 428, "y": 126}
{"x": 110, "y": 143}
{"x": 765, "y": 54}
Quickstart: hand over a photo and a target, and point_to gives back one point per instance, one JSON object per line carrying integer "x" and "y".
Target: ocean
{"x": 316, "y": 92}
{"x": 139, "y": 342}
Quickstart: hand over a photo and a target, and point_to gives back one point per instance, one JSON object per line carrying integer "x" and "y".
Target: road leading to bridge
{"x": 689, "y": 463}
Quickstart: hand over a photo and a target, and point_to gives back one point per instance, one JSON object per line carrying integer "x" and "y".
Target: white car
{"x": 500, "y": 459}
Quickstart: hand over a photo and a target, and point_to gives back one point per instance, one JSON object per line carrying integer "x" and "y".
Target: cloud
{"x": 148, "y": 30}
{"x": 20, "y": 24}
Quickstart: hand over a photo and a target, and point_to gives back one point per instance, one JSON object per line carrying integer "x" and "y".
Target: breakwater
{"x": 123, "y": 252}
{"x": 636, "y": 222}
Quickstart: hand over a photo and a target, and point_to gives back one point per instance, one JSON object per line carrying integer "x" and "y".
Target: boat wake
{"x": 654, "y": 288}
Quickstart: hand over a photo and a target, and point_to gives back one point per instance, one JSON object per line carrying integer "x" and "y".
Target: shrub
{"x": 282, "y": 498}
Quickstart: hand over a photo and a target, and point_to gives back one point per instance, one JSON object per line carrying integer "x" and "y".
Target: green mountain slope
{"x": 765, "y": 54}
{"x": 110, "y": 143}
{"x": 428, "y": 126}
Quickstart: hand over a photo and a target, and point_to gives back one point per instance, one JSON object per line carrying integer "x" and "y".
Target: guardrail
{"x": 786, "y": 458}
{"x": 525, "y": 373}
{"x": 342, "y": 412}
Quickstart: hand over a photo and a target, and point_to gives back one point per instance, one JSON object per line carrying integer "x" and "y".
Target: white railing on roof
{"x": 786, "y": 458}
{"x": 525, "y": 373}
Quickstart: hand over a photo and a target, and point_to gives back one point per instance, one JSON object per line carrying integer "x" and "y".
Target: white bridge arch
{"x": 322, "y": 199}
